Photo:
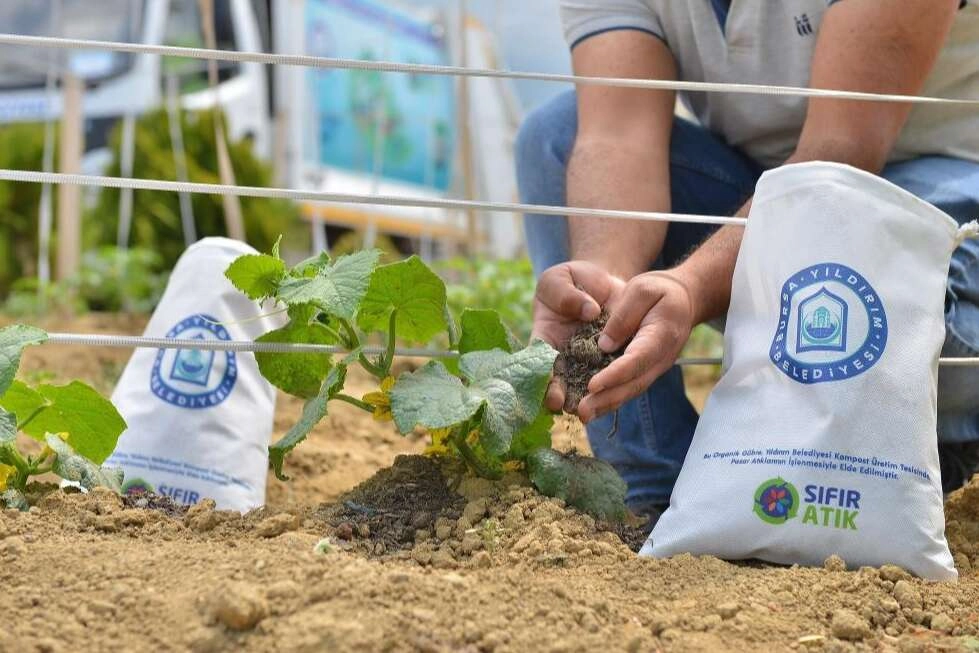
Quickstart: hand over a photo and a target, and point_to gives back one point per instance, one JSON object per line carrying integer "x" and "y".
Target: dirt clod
{"x": 277, "y": 525}
{"x": 834, "y": 563}
{"x": 238, "y": 606}
{"x": 942, "y": 623}
{"x": 850, "y": 626}
{"x": 893, "y": 573}
{"x": 581, "y": 359}
{"x": 906, "y": 595}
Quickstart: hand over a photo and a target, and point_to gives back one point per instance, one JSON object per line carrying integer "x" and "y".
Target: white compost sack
{"x": 199, "y": 421}
{"x": 820, "y": 437}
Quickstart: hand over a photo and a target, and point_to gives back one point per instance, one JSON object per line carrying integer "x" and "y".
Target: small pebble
{"x": 344, "y": 531}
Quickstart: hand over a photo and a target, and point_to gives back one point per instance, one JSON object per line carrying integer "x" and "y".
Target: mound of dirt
{"x": 962, "y": 526}
{"x": 513, "y": 572}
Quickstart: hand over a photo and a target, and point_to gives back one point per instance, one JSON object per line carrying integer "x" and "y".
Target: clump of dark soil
{"x": 157, "y": 502}
{"x": 391, "y": 506}
{"x": 581, "y": 359}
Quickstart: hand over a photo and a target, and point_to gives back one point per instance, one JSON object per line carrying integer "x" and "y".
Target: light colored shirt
{"x": 772, "y": 42}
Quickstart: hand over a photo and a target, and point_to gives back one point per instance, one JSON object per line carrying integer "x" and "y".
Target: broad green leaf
{"x": 8, "y": 428}
{"x": 337, "y": 288}
{"x": 302, "y": 313}
{"x": 8, "y": 438}
{"x": 534, "y": 436}
{"x": 414, "y": 291}
{"x": 589, "y": 484}
{"x": 310, "y": 266}
{"x": 23, "y": 401}
{"x": 313, "y": 412}
{"x": 257, "y": 275}
{"x": 91, "y": 421}
{"x": 431, "y": 397}
{"x": 482, "y": 330}
{"x": 72, "y": 466}
{"x": 510, "y": 386}
{"x": 302, "y": 374}
{"x": 513, "y": 387}
{"x": 13, "y": 339}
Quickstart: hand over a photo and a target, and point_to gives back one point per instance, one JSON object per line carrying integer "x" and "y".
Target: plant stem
{"x": 353, "y": 401}
{"x": 350, "y": 338}
{"x": 468, "y": 455}
{"x": 389, "y": 353}
{"x": 352, "y": 342}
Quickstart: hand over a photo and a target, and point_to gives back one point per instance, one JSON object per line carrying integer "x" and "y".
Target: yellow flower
{"x": 440, "y": 442}
{"x": 6, "y": 471}
{"x": 513, "y": 465}
{"x": 381, "y": 400}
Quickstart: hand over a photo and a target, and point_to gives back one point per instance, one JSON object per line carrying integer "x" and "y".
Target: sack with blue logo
{"x": 820, "y": 437}
{"x": 199, "y": 420}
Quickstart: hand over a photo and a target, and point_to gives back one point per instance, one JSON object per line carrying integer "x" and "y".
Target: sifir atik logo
{"x": 776, "y": 501}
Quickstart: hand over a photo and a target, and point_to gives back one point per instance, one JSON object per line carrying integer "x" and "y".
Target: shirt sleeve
{"x": 586, "y": 18}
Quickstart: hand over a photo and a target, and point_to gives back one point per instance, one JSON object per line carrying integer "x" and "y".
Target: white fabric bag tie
{"x": 820, "y": 437}
{"x": 199, "y": 421}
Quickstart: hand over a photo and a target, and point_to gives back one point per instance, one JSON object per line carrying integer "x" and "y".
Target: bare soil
{"x": 403, "y": 563}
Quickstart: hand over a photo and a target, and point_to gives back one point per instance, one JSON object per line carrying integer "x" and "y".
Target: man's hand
{"x": 569, "y": 295}
{"x": 656, "y": 310}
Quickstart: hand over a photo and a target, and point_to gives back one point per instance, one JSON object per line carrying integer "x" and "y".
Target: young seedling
{"x": 78, "y": 427}
{"x": 484, "y": 407}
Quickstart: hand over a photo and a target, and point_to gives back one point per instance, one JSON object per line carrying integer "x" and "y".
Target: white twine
{"x": 143, "y": 342}
{"x": 429, "y": 69}
{"x": 31, "y": 176}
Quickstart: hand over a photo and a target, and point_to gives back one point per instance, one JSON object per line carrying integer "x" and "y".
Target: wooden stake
{"x": 234, "y": 223}
{"x": 465, "y": 137}
{"x": 71, "y": 149}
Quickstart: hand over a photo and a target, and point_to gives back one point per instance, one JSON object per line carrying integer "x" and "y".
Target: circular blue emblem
{"x": 195, "y": 378}
{"x": 831, "y": 325}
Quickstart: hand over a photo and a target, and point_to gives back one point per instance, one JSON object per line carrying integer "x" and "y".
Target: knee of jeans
{"x": 546, "y": 136}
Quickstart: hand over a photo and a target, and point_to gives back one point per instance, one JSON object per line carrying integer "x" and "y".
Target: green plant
{"x": 156, "y": 214}
{"x": 78, "y": 427}
{"x": 484, "y": 408}
{"x": 504, "y": 286}
{"x": 108, "y": 279}
{"x": 21, "y": 148}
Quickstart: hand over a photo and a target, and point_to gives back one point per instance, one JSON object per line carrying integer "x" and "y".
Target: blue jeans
{"x": 709, "y": 177}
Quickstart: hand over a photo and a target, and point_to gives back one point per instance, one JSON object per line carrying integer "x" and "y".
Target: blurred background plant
{"x": 109, "y": 280}
{"x": 21, "y": 148}
{"x": 506, "y": 286}
{"x": 156, "y": 214}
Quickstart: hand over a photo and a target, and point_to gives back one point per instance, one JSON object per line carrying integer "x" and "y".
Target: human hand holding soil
{"x": 569, "y": 297}
{"x": 651, "y": 318}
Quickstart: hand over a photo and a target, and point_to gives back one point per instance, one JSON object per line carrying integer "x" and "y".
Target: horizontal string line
{"x": 143, "y": 342}
{"x": 29, "y": 176}
{"x": 430, "y": 69}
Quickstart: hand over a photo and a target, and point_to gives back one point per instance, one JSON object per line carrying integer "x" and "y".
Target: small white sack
{"x": 820, "y": 437}
{"x": 199, "y": 421}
